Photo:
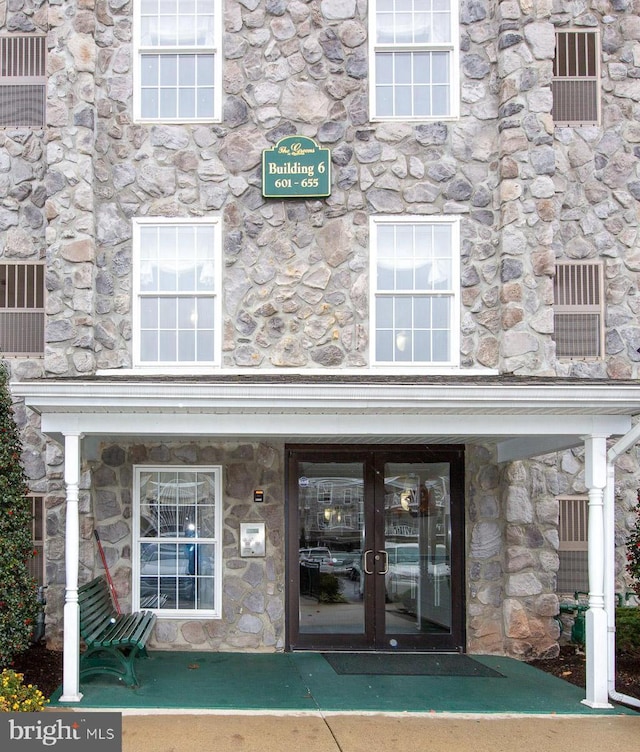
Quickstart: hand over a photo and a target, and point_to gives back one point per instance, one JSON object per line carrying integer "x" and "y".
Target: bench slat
{"x": 121, "y": 636}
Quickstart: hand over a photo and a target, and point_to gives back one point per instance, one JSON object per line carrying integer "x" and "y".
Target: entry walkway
{"x": 305, "y": 682}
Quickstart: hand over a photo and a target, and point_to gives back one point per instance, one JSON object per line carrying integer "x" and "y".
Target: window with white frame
{"x": 415, "y": 289}
{"x": 23, "y": 81}
{"x": 413, "y": 50}
{"x": 178, "y": 61}
{"x": 576, "y": 72}
{"x": 178, "y": 540}
{"x": 578, "y": 303}
{"x": 176, "y": 308}
{"x": 22, "y": 293}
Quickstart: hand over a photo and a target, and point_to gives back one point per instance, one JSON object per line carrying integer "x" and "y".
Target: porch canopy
{"x": 522, "y": 417}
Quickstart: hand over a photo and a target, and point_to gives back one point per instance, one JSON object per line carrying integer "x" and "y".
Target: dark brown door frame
{"x": 374, "y": 458}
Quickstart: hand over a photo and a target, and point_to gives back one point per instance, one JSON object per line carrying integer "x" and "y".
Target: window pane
{"x": 205, "y": 313}
{"x": 440, "y": 310}
{"x": 148, "y": 347}
{"x": 206, "y": 103}
{"x": 149, "y": 313}
{"x": 441, "y": 346}
{"x": 187, "y": 68}
{"x": 403, "y": 313}
{"x": 167, "y": 313}
{"x": 149, "y": 70}
{"x": 168, "y": 104}
{"x": 205, "y": 70}
{"x": 384, "y": 312}
{"x": 167, "y": 345}
{"x": 384, "y": 346}
{"x": 422, "y": 346}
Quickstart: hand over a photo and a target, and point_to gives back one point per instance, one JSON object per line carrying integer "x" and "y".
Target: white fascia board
{"x": 330, "y": 425}
{"x": 79, "y": 396}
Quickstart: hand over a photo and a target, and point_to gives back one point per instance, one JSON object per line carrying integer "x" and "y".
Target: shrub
{"x": 18, "y": 594}
{"x": 633, "y": 552}
{"x": 628, "y": 630}
{"x": 18, "y": 697}
{"x": 330, "y": 589}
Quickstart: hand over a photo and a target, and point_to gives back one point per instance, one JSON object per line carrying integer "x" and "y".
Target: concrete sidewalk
{"x": 378, "y": 733}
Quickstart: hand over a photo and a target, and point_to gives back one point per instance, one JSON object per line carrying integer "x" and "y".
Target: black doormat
{"x": 408, "y": 664}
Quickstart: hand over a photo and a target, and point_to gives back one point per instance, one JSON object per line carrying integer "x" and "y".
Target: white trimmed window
{"x": 578, "y": 293}
{"x": 576, "y": 74}
{"x": 415, "y": 289}
{"x": 177, "y": 285}
{"x": 177, "y": 564}
{"x": 23, "y": 81}
{"x": 573, "y": 525}
{"x": 178, "y": 62}
{"x": 22, "y": 309}
{"x": 413, "y": 49}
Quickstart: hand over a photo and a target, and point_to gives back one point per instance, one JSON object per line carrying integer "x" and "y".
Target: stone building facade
{"x": 296, "y": 294}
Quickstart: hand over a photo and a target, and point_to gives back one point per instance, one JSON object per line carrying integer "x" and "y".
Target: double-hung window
{"x": 22, "y": 309}
{"x": 576, "y": 74}
{"x": 415, "y": 289}
{"x": 178, "y": 61}
{"x": 23, "y": 81}
{"x": 178, "y": 540}
{"x": 413, "y": 50}
{"x": 177, "y": 301}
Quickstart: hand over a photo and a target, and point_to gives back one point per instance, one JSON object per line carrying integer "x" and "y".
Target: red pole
{"x": 106, "y": 569}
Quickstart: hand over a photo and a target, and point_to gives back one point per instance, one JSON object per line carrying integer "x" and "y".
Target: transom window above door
{"x": 178, "y": 70}
{"x": 413, "y": 53}
{"x": 415, "y": 289}
{"x": 177, "y": 283}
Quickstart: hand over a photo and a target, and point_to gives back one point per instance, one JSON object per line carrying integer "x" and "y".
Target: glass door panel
{"x": 417, "y": 546}
{"x": 331, "y": 530}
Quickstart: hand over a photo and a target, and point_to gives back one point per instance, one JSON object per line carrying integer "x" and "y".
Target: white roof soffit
{"x": 524, "y": 421}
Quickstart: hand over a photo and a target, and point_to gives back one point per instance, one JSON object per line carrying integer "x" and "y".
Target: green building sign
{"x": 296, "y": 167}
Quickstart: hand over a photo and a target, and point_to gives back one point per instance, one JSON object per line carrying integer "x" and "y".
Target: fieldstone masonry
{"x": 296, "y": 273}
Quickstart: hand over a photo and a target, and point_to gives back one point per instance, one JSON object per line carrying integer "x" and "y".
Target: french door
{"x": 375, "y": 548}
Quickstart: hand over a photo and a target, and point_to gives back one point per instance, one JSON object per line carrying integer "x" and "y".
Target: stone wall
{"x": 512, "y": 534}
{"x": 296, "y": 274}
{"x": 252, "y": 589}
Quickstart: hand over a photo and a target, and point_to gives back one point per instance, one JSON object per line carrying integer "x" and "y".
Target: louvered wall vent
{"x": 578, "y": 310}
{"x": 23, "y": 81}
{"x": 575, "y": 85}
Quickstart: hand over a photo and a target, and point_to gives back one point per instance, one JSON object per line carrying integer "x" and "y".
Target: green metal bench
{"x": 113, "y": 640}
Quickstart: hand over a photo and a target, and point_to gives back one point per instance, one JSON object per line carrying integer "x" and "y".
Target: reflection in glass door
{"x": 375, "y": 548}
{"x": 331, "y": 529}
{"x": 417, "y": 546}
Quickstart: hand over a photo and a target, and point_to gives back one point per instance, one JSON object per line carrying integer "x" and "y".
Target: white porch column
{"x": 71, "y": 656}
{"x": 596, "y": 617}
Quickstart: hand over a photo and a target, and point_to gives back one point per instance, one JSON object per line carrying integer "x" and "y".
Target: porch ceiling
{"x": 522, "y": 419}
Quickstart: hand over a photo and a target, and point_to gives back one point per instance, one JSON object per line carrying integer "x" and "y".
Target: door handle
{"x": 364, "y": 561}
{"x": 386, "y": 561}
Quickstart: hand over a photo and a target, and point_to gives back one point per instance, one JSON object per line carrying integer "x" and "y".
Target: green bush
{"x": 330, "y": 589}
{"x": 633, "y": 552}
{"x": 18, "y": 595}
{"x": 628, "y": 630}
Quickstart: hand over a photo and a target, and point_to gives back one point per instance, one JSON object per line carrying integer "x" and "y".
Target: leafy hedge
{"x": 18, "y": 595}
{"x": 628, "y": 630}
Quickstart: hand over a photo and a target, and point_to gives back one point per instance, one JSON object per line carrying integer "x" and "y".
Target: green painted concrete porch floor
{"x": 304, "y": 681}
